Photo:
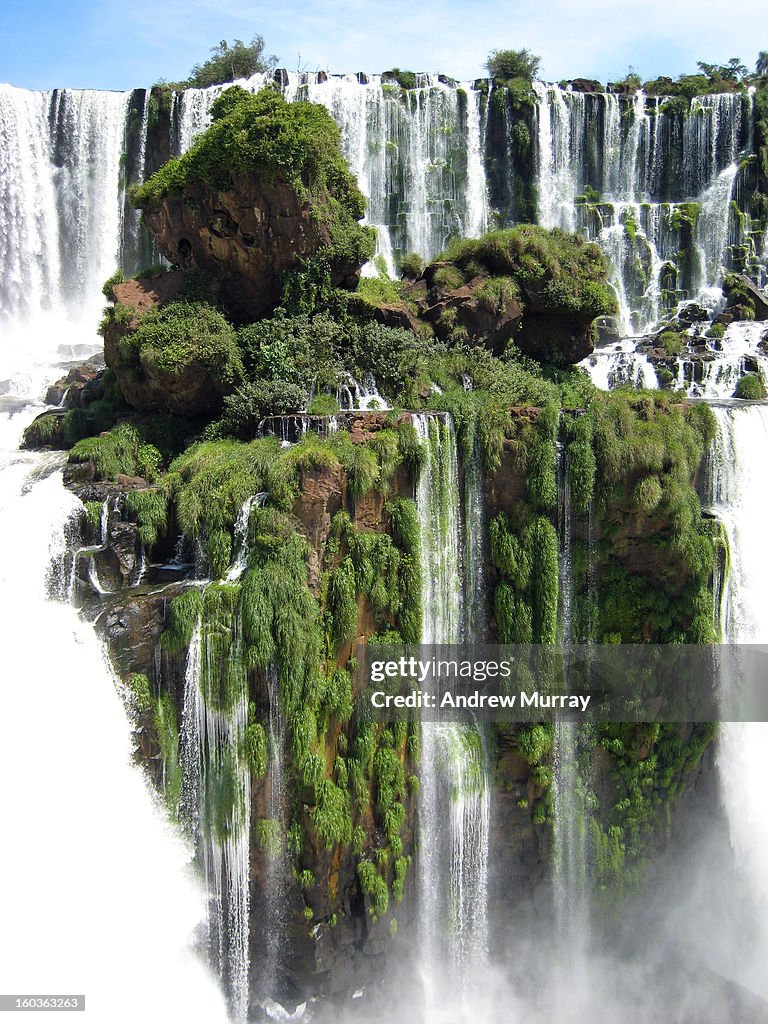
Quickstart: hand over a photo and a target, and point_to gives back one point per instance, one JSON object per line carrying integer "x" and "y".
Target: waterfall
{"x": 61, "y": 208}
{"x": 417, "y": 155}
{"x": 454, "y": 791}
{"x": 712, "y": 226}
{"x": 651, "y": 186}
{"x": 242, "y": 546}
{"x": 570, "y": 840}
{"x": 91, "y": 854}
{"x": 216, "y": 808}
{"x": 557, "y": 184}
{"x": 475, "y": 546}
{"x": 738, "y": 496}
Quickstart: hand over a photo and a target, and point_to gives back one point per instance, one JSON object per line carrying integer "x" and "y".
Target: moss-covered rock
{"x": 264, "y": 192}
{"x": 180, "y": 359}
{"x": 542, "y": 288}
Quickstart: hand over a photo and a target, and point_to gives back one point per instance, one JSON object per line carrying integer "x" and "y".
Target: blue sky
{"x": 121, "y": 44}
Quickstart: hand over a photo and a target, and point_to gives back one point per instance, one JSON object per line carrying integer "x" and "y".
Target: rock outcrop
{"x": 183, "y": 364}
{"x": 745, "y": 300}
{"x": 245, "y": 238}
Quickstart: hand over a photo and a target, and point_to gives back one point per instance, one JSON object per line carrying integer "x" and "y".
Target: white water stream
{"x": 740, "y": 498}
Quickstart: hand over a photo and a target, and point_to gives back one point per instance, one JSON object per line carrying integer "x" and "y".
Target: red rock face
{"x": 245, "y": 238}
{"x": 142, "y": 294}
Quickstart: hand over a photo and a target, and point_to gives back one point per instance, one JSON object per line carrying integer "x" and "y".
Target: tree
{"x": 730, "y": 72}
{"x": 512, "y": 64}
{"x": 762, "y": 63}
{"x": 228, "y": 62}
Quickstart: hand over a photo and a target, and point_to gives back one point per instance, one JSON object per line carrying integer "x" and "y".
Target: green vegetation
{"x": 141, "y": 691}
{"x": 120, "y": 451}
{"x": 405, "y": 79}
{"x": 563, "y": 270}
{"x": 171, "y": 339}
{"x": 229, "y": 61}
{"x": 671, "y": 342}
{"x": 512, "y": 64}
{"x": 411, "y": 265}
{"x": 751, "y": 386}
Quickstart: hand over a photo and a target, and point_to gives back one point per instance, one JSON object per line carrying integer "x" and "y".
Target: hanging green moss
{"x": 223, "y": 679}
{"x": 183, "y": 615}
{"x": 141, "y": 691}
{"x": 167, "y": 730}
{"x": 337, "y": 698}
{"x": 120, "y": 451}
{"x": 150, "y": 507}
{"x": 342, "y": 602}
{"x": 93, "y": 511}
{"x": 256, "y": 746}
{"x": 331, "y": 815}
{"x": 268, "y": 836}
{"x": 581, "y": 462}
{"x": 374, "y": 886}
{"x": 541, "y": 468}
{"x": 218, "y": 550}
{"x": 525, "y": 601}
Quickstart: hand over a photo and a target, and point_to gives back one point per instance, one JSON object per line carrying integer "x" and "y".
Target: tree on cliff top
{"x": 512, "y": 64}
{"x": 229, "y": 62}
{"x": 761, "y": 67}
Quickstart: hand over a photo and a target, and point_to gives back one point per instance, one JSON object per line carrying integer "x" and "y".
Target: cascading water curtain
{"x": 454, "y": 789}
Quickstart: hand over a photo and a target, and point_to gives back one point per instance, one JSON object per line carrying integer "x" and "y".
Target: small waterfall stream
{"x": 454, "y": 790}
{"x": 570, "y": 840}
{"x": 216, "y": 802}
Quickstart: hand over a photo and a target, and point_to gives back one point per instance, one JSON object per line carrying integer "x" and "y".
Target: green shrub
{"x": 562, "y": 270}
{"x": 181, "y": 334}
{"x": 405, "y": 79}
{"x": 411, "y": 265}
{"x": 107, "y": 289}
{"x": 671, "y": 342}
{"x": 246, "y": 408}
{"x": 120, "y": 451}
{"x": 229, "y": 62}
{"x": 151, "y": 510}
{"x": 534, "y": 742}
{"x": 323, "y": 405}
{"x": 512, "y": 64}
{"x": 751, "y": 386}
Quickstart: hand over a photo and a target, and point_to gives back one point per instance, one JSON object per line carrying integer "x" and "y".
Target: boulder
{"x": 741, "y": 292}
{"x": 492, "y": 324}
{"x": 77, "y": 385}
{"x": 585, "y": 85}
{"x": 692, "y": 313}
{"x": 142, "y": 293}
{"x": 245, "y": 238}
